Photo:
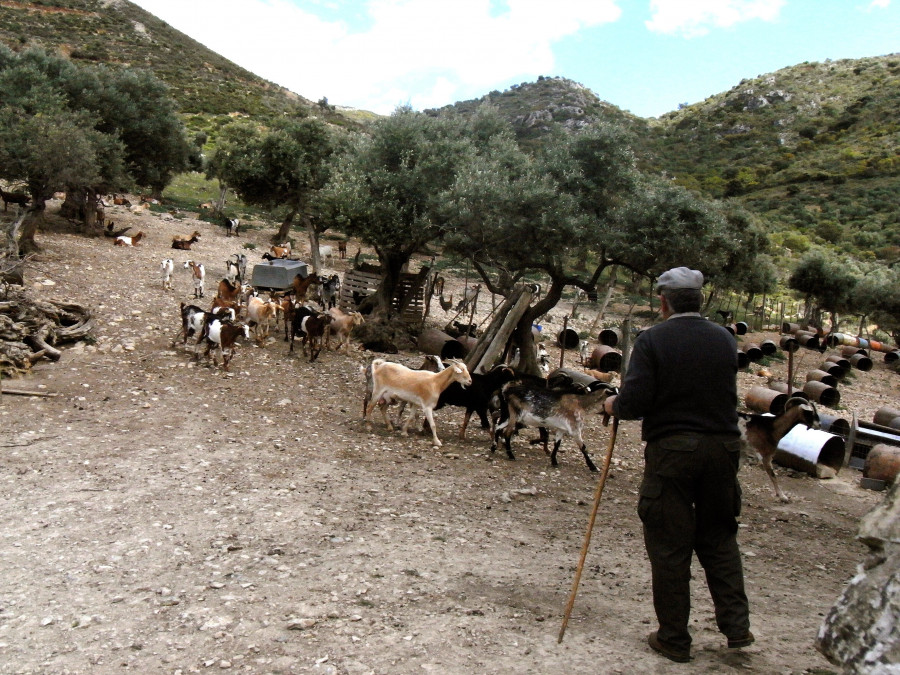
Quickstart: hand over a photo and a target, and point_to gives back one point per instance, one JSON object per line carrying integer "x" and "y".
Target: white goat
{"x": 393, "y": 381}
{"x": 167, "y": 266}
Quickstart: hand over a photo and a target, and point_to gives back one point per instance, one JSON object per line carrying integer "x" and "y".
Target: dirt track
{"x": 160, "y": 517}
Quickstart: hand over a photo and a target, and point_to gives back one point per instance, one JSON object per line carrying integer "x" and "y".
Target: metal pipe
{"x": 822, "y": 393}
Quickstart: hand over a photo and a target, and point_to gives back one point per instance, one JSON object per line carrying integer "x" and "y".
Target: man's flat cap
{"x": 679, "y": 277}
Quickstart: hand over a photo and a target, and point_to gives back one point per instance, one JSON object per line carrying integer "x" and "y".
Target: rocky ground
{"x": 159, "y": 516}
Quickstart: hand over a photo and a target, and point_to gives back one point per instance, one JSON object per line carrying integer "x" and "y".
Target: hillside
{"x": 121, "y": 34}
{"x": 813, "y": 148}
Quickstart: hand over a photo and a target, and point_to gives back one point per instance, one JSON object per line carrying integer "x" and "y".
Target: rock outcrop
{"x": 860, "y": 632}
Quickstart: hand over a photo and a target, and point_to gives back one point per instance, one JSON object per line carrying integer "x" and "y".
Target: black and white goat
{"x": 562, "y": 411}
{"x": 329, "y": 289}
{"x": 764, "y": 432}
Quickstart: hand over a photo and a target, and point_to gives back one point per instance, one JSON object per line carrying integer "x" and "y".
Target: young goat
{"x": 259, "y": 313}
{"x": 167, "y": 266}
{"x": 563, "y": 412}
{"x": 328, "y": 291}
{"x": 342, "y": 324}
{"x": 223, "y": 334}
{"x": 231, "y": 226}
{"x": 395, "y": 381}
{"x": 198, "y": 275}
{"x": 179, "y": 241}
{"x": 311, "y": 326}
{"x": 764, "y": 432}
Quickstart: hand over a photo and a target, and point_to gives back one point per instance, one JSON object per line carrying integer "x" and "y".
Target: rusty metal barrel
{"x": 467, "y": 341}
{"x": 847, "y": 351}
{"x": 568, "y": 338}
{"x": 839, "y": 360}
{"x": 438, "y": 343}
{"x": 807, "y": 339}
{"x": 743, "y": 359}
{"x": 768, "y": 347}
{"x": 606, "y": 359}
{"x": 741, "y": 327}
{"x": 833, "y": 369}
{"x": 610, "y": 337}
{"x": 891, "y": 357}
{"x": 882, "y": 463}
{"x": 822, "y": 393}
{"x": 887, "y": 417}
{"x": 788, "y": 327}
{"x": 753, "y": 351}
{"x": 834, "y": 425}
{"x": 789, "y": 343}
{"x": 861, "y": 362}
{"x": 784, "y": 389}
{"x": 731, "y": 328}
{"x": 821, "y": 376}
{"x": 762, "y": 399}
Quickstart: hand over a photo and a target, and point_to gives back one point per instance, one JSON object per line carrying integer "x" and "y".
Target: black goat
{"x": 476, "y": 397}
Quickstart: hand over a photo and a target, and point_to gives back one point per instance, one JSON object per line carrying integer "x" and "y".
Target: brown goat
{"x": 301, "y": 286}
{"x": 183, "y": 243}
{"x": 19, "y": 198}
{"x": 764, "y": 432}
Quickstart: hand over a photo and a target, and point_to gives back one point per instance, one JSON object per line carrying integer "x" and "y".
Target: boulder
{"x": 859, "y": 633}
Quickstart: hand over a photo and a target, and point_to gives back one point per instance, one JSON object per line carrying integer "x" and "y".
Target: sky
{"x": 644, "y": 56}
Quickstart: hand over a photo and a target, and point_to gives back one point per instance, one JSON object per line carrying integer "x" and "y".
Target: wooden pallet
{"x": 365, "y": 282}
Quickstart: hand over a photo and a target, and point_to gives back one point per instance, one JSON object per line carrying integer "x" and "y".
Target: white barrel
{"x": 803, "y": 448}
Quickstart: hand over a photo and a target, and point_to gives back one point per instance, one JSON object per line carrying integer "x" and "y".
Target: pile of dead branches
{"x": 30, "y": 329}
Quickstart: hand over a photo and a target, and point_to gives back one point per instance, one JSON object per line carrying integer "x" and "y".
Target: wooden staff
{"x": 598, "y": 493}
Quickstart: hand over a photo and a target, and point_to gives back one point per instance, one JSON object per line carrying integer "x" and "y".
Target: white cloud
{"x": 693, "y": 18}
{"x": 880, "y": 4}
{"x": 419, "y": 52}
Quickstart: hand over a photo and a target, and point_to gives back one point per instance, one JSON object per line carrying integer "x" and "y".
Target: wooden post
{"x": 475, "y": 355}
{"x": 496, "y": 343}
{"x": 562, "y": 345}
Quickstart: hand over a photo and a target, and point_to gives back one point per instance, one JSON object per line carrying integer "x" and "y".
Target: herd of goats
{"x": 503, "y": 399}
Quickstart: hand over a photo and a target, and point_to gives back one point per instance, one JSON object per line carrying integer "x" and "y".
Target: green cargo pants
{"x": 689, "y": 502}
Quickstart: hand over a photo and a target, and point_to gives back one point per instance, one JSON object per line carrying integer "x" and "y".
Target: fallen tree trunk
{"x": 31, "y": 329}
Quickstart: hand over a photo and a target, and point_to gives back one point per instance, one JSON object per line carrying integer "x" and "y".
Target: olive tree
{"x": 391, "y": 187}
{"x": 827, "y": 285}
{"x": 83, "y": 129}
{"x": 280, "y": 168}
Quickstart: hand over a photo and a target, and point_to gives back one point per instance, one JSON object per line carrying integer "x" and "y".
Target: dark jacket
{"x": 682, "y": 378}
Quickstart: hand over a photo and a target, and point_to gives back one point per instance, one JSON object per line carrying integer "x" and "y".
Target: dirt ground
{"x": 161, "y": 517}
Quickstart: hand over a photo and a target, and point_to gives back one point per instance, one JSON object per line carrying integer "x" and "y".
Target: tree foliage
{"x": 280, "y": 168}
{"x": 85, "y": 130}
{"x": 827, "y": 284}
{"x": 391, "y": 187}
